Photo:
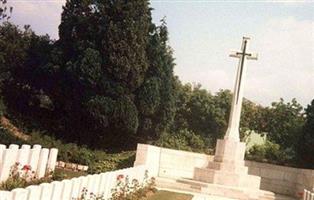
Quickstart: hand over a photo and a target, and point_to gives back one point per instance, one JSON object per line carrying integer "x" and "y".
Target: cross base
{"x": 228, "y": 167}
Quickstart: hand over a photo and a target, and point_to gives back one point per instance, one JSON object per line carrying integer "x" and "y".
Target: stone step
{"x": 218, "y": 190}
{"x": 173, "y": 184}
{"x": 228, "y": 166}
{"x": 229, "y": 178}
{"x": 205, "y": 188}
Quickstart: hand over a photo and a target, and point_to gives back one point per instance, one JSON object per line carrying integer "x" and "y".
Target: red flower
{"x": 119, "y": 177}
{"x": 26, "y": 168}
{"x": 300, "y": 194}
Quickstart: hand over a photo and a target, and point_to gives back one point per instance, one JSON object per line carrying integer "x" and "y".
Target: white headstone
{"x": 33, "y": 192}
{"x": 42, "y": 163}
{"x": 8, "y": 162}
{"x": 19, "y": 194}
{"x": 90, "y": 181}
{"x": 46, "y": 191}
{"x": 14, "y": 146}
{"x": 5, "y": 195}
{"x": 2, "y": 148}
{"x": 83, "y": 184}
{"x": 52, "y": 160}
{"x": 110, "y": 184}
{"x": 23, "y": 154}
{"x": 66, "y": 190}
{"x": 75, "y": 191}
{"x": 57, "y": 187}
{"x": 102, "y": 183}
{"x": 96, "y": 182}
{"x": 34, "y": 157}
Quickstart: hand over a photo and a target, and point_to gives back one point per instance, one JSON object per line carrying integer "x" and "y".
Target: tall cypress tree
{"x": 114, "y": 73}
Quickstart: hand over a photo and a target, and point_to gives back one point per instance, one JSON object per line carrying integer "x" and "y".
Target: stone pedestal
{"x": 228, "y": 167}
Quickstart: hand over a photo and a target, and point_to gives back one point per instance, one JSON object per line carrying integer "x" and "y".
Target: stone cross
{"x": 234, "y": 118}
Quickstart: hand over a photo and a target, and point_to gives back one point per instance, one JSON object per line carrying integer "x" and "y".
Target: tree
{"x": 5, "y": 11}
{"x": 109, "y": 75}
{"x": 306, "y": 141}
{"x": 207, "y": 115}
{"x": 284, "y": 122}
{"x": 23, "y": 53}
{"x": 156, "y": 97}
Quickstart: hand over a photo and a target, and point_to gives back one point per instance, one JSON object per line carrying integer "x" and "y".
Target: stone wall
{"x": 282, "y": 179}
{"x": 170, "y": 163}
{"x": 98, "y": 184}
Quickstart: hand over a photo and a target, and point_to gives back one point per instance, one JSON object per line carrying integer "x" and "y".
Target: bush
{"x": 126, "y": 189}
{"x": 23, "y": 176}
{"x": 6, "y": 138}
{"x": 272, "y": 153}
{"x": 112, "y": 162}
{"x": 182, "y": 140}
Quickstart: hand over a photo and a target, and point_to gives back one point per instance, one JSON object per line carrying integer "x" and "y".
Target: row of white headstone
{"x": 308, "y": 195}
{"x": 40, "y": 160}
{"x": 98, "y": 184}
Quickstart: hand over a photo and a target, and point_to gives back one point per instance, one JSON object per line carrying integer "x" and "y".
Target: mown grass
{"x": 166, "y": 195}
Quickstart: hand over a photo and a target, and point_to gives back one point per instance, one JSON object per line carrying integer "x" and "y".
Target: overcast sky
{"x": 202, "y": 34}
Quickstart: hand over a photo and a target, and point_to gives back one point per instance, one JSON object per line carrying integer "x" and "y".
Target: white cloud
{"x": 285, "y": 67}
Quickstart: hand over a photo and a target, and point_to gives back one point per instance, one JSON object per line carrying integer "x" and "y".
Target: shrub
{"x": 182, "y": 140}
{"x": 112, "y": 162}
{"x": 133, "y": 190}
{"x": 23, "y": 176}
{"x": 272, "y": 153}
{"x": 126, "y": 189}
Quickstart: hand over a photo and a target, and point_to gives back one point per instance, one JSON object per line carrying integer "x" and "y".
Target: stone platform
{"x": 228, "y": 167}
{"x": 180, "y": 169}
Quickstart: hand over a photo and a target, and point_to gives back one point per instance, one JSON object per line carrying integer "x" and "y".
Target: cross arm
{"x": 252, "y": 56}
{"x": 249, "y": 56}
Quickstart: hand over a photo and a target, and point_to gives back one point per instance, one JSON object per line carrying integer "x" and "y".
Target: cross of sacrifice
{"x": 234, "y": 118}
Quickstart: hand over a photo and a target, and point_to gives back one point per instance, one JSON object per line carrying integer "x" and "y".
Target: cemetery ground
{"x": 166, "y": 195}
{"x": 70, "y": 152}
{"x": 12, "y": 134}
{"x": 74, "y": 153}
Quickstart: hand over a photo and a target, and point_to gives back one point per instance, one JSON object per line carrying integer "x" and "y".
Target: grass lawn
{"x": 165, "y": 195}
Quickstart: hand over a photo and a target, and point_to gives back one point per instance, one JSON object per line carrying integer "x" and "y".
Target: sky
{"x": 203, "y": 33}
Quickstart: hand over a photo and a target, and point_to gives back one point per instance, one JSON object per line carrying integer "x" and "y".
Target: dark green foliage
{"x": 22, "y": 56}
{"x": 5, "y": 11}
{"x": 157, "y": 95}
{"x": 183, "y": 140}
{"x": 113, "y": 162}
{"x": 306, "y": 142}
{"x": 283, "y": 123}
{"x": 107, "y": 82}
{"x": 207, "y": 115}
{"x": 198, "y": 112}
{"x": 121, "y": 95}
{"x": 271, "y": 153}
